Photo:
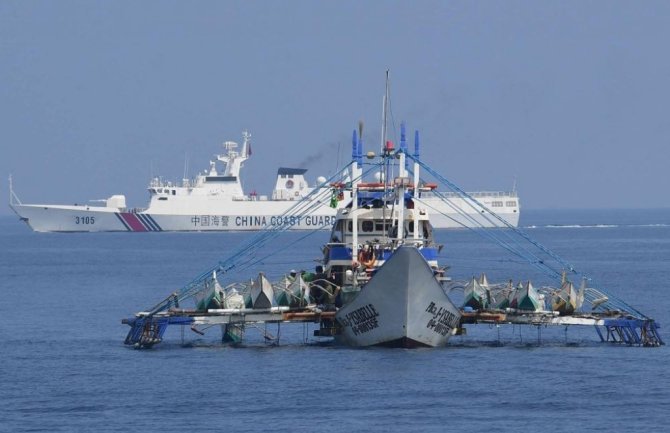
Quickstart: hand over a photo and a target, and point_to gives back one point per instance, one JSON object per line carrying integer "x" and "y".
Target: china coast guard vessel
{"x": 215, "y": 201}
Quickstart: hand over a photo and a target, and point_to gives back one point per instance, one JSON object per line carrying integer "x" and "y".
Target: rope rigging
{"x": 511, "y": 240}
{"x": 598, "y": 298}
{"x": 476, "y": 204}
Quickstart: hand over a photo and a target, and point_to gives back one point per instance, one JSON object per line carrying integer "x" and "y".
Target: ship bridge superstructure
{"x": 377, "y": 220}
{"x": 234, "y": 159}
{"x": 291, "y": 184}
{"x": 215, "y": 188}
{"x": 206, "y": 185}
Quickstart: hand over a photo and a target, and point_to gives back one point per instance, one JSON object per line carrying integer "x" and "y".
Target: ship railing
{"x": 478, "y": 194}
{"x": 158, "y": 182}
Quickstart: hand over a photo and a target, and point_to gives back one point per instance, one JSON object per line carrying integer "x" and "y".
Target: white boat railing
{"x": 478, "y": 194}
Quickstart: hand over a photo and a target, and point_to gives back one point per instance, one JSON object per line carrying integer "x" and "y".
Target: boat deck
{"x": 611, "y": 326}
{"x": 615, "y": 327}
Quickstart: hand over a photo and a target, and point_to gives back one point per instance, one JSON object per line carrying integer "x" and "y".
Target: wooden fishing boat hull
{"x": 209, "y": 297}
{"x": 565, "y": 301}
{"x": 262, "y": 295}
{"x": 475, "y": 296}
{"x": 526, "y": 298}
{"x": 295, "y": 295}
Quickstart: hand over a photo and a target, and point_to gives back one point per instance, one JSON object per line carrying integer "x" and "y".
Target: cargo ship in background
{"x": 215, "y": 201}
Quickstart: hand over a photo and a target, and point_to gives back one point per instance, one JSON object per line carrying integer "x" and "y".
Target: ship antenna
{"x": 339, "y": 145}
{"x": 384, "y": 112}
{"x": 384, "y": 172}
{"x": 359, "y": 147}
{"x": 246, "y": 142}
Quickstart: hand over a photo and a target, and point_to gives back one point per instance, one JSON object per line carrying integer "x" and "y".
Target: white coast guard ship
{"x": 215, "y": 201}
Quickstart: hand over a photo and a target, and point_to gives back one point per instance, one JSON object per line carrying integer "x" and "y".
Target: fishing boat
{"x": 261, "y": 295}
{"x": 503, "y": 295}
{"x": 564, "y": 301}
{"x": 215, "y": 201}
{"x": 232, "y": 299}
{"x": 382, "y": 255}
{"x": 293, "y": 291}
{"x": 476, "y": 295}
{"x": 213, "y": 296}
{"x": 526, "y": 298}
{"x": 383, "y": 259}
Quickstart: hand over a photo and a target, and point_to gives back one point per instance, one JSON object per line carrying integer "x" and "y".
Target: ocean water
{"x": 63, "y": 365}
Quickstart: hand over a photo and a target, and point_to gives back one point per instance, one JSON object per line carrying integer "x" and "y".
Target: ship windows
{"x": 511, "y": 203}
{"x": 162, "y": 198}
{"x": 411, "y": 226}
{"x": 174, "y": 192}
{"x": 497, "y": 204}
{"x": 367, "y": 226}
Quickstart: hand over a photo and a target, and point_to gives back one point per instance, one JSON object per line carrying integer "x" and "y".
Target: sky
{"x": 569, "y": 98}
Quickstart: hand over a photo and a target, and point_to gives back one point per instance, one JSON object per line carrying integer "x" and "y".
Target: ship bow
{"x": 402, "y": 306}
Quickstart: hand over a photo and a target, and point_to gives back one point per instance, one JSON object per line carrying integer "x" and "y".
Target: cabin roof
{"x": 286, "y": 170}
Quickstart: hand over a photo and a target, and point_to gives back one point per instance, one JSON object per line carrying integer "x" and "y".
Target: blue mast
{"x": 416, "y": 144}
{"x": 403, "y": 143}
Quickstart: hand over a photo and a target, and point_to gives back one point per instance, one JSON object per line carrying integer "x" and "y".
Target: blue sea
{"x": 64, "y": 368}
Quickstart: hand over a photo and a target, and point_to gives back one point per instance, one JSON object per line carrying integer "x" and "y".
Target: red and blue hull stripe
{"x": 138, "y": 222}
